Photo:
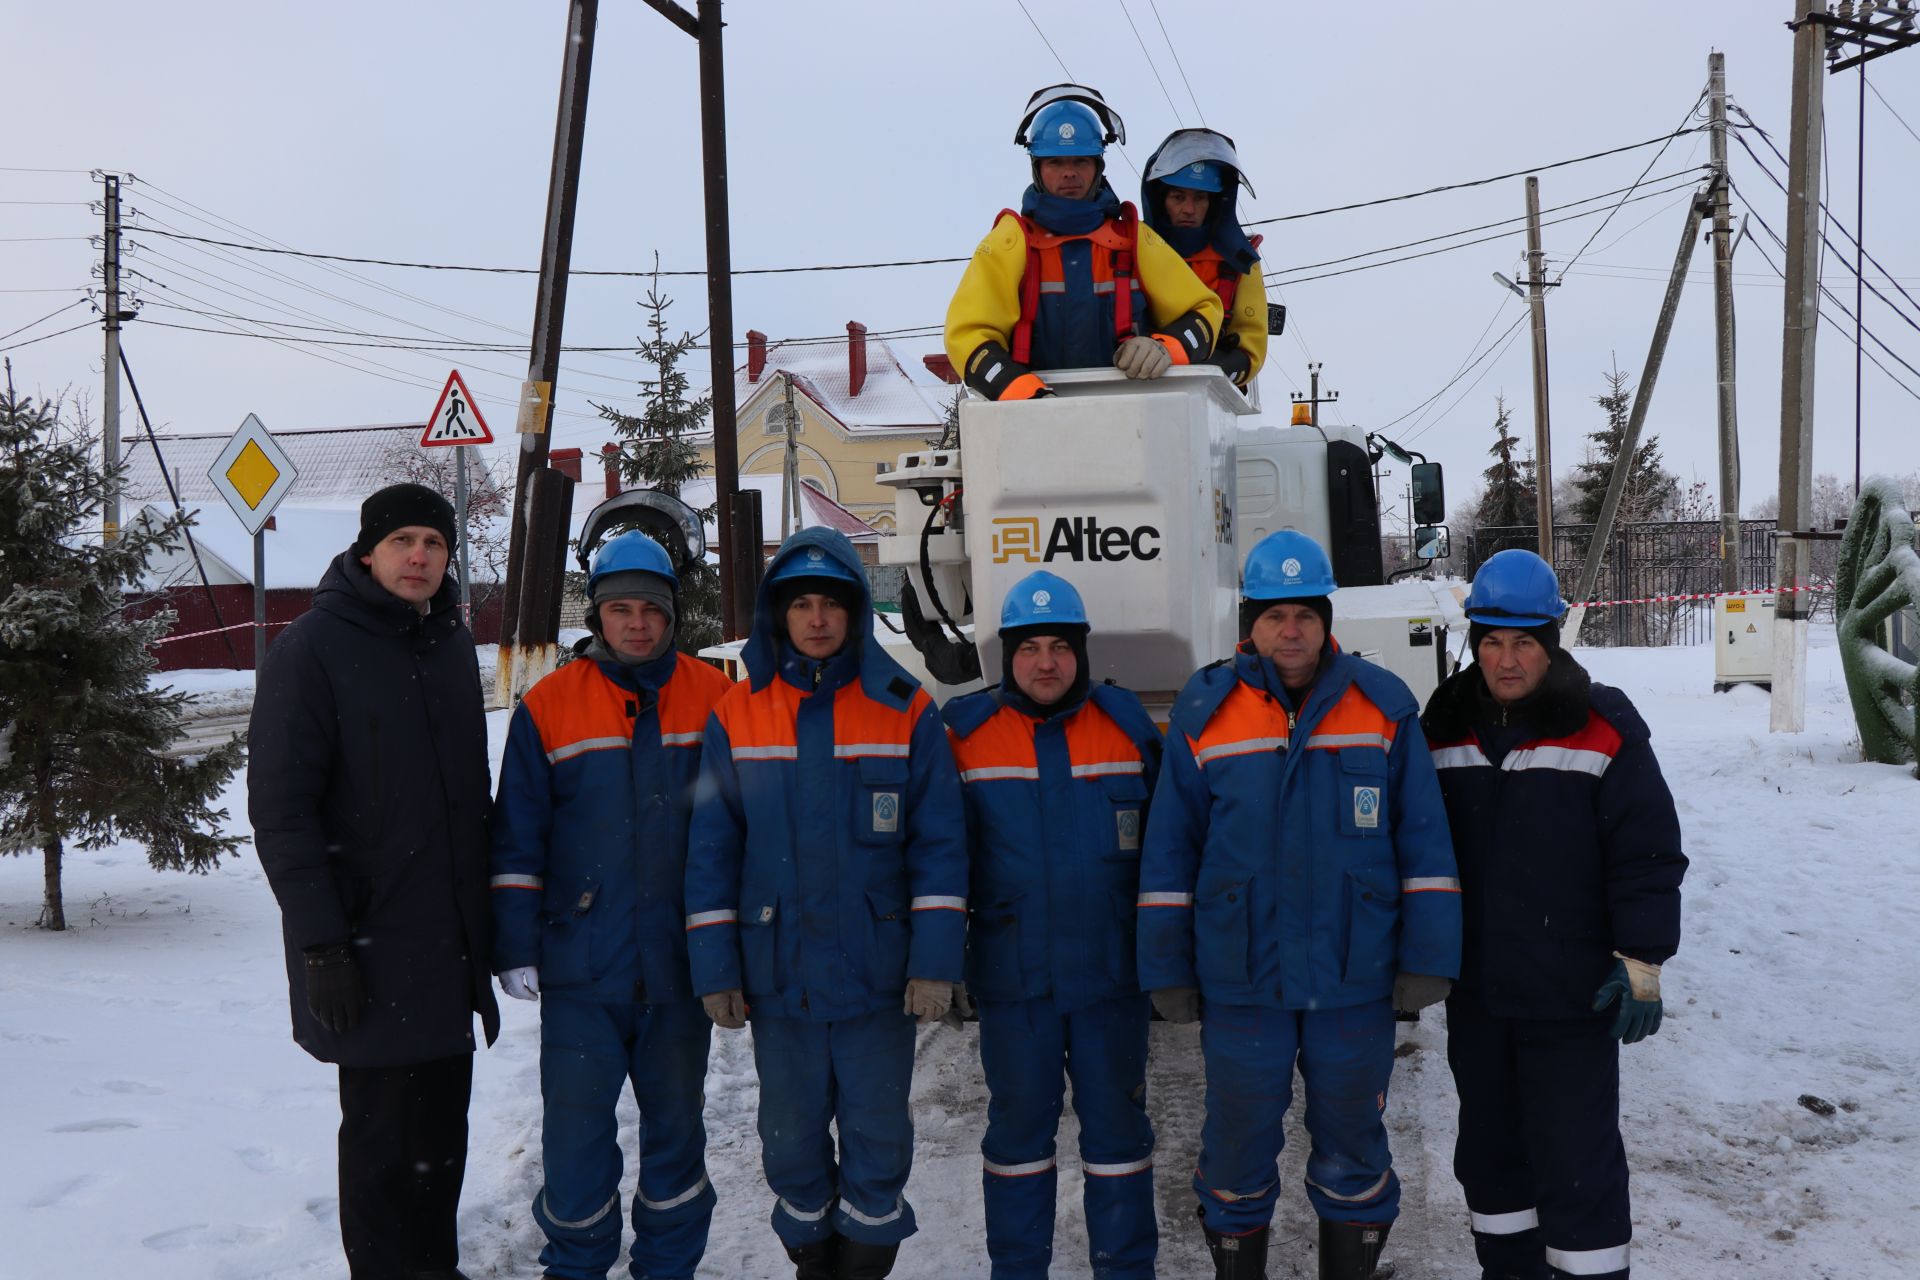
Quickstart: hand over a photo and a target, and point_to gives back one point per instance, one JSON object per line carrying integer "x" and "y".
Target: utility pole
{"x": 790, "y": 473}
{"x": 1723, "y": 328}
{"x": 110, "y": 395}
{"x": 1799, "y": 329}
{"x": 536, "y": 556}
{"x": 1313, "y": 399}
{"x": 739, "y": 562}
{"x": 1537, "y": 286}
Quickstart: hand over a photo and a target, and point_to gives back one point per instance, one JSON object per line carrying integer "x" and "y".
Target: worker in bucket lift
{"x": 1057, "y": 771}
{"x": 1570, "y": 866}
{"x": 826, "y": 900}
{"x": 589, "y": 842}
{"x": 1296, "y": 889}
{"x": 1188, "y": 194}
{"x": 1073, "y": 280}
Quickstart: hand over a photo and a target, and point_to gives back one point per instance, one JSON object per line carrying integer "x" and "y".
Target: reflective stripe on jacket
{"x": 1296, "y": 861}
{"x": 590, "y": 827}
{"x": 1055, "y": 812}
{"x": 1244, "y": 298}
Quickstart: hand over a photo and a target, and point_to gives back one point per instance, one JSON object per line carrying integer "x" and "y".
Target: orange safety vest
{"x": 1213, "y": 272}
{"x": 1115, "y": 245}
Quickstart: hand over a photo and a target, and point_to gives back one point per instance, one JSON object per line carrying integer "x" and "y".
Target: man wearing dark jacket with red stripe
{"x": 1570, "y": 867}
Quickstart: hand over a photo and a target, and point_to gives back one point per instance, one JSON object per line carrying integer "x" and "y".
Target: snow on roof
{"x": 335, "y": 464}
{"x": 300, "y": 546}
{"x": 888, "y": 399}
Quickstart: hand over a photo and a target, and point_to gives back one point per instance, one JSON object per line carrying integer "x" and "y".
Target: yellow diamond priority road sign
{"x": 253, "y": 473}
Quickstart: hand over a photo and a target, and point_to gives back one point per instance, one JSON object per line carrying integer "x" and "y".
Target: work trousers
{"x": 855, "y": 1074}
{"x": 1346, "y": 1058}
{"x": 1030, "y": 1051}
{"x": 403, "y": 1156}
{"x": 589, "y": 1052}
{"x": 1539, "y": 1153}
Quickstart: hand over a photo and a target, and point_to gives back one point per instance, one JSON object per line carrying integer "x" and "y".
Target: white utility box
{"x": 1126, "y": 490}
{"x": 1743, "y": 641}
{"x": 1405, "y": 627}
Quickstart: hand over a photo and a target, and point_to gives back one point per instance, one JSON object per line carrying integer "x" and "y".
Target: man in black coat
{"x": 1570, "y": 867}
{"x": 368, "y": 791}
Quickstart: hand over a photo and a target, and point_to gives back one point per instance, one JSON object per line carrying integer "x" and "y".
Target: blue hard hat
{"x": 630, "y": 552}
{"x": 1287, "y": 565}
{"x": 1042, "y": 599}
{"x": 1201, "y": 175}
{"x": 1515, "y": 588}
{"x": 1066, "y": 129}
{"x": 810, "y": 562}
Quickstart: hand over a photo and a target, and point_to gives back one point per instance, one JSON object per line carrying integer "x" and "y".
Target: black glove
{"x": 335, "y": 997}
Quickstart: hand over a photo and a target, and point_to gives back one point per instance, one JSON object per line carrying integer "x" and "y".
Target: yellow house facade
{"x": 853, "y": 408}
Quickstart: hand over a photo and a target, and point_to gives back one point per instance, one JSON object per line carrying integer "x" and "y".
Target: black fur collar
{"x": 1557, "y": 708}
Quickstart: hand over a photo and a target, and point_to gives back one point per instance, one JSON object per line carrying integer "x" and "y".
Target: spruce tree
{"x": 1509, "y": 496}
{"x": 1651, "y": 488}
{"x": 659, "y": 450}
{"x": 82, "y": 731}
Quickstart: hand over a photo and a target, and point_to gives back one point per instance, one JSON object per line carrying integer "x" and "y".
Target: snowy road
{"x": 159, "y": 1122}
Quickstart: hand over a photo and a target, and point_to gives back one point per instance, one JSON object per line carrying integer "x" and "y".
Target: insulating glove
{"x": 727, "y": 1009}
{"x": 1142, "y": 358}
{"x": 928, "y": 1000}
{"x": 335, "y": 997}
{"x": 1413, "y": 992}
{"x": 956, "y": 1017}
{"x": 1636, "y": 985}
{"x": 1178, "y": 1004}
{"x": 521, "y": 984}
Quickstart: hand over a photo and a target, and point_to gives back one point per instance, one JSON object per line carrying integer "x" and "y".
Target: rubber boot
{"x": 858, "y": 1261}
{"x": 1349, "y": 1250}
{"x": 814, "y": 1261}
{"x": 1237, "y": 1257}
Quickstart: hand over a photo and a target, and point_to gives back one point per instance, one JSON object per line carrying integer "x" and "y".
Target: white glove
{"x": 1142, "y": 358}
{"x": 521, "y": 984}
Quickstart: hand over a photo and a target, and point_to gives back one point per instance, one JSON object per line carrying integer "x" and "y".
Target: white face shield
{"x": 1090, "y": 98}
{"x": 1190, "y": 146}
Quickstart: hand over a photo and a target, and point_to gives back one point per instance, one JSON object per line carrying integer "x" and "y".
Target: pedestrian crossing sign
{"x": 456, "y": 417}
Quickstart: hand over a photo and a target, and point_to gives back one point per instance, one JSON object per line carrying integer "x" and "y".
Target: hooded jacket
{"x": 1220, "y": 252}
{"x": 827, "y": 859}
{"x": 367, "y": 788}
{"x": 1566, "y": 835}
{"x": 1056, "y": 805}
{"x": 590, "y": 829}
{"x": 1296, "y": 861}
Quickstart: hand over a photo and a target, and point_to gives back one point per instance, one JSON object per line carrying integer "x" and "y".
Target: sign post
{"x": 253, "y": 473}
{"x": 456, "y": 423}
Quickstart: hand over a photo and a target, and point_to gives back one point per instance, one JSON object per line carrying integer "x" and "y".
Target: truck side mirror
{"x": 1429, "y": 494}
{"x": 1430, "y": 542}
{"x": 1276, "y": 318}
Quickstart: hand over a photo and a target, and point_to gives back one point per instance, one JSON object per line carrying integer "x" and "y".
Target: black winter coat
{"x": 368, "y": 790}
{"x": 1566, "y": 838}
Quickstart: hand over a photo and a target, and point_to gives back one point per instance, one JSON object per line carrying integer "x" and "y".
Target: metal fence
{"x": 1645, "y": 561}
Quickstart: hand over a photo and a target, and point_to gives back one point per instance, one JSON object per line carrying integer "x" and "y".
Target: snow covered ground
{"x": 159, "y": 1122}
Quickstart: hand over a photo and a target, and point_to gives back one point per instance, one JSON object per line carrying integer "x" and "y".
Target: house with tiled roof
{"x": 854, "y": 408}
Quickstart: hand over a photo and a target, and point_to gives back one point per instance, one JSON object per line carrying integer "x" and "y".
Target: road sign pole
{"x": 259, "y": 599}
{"x": 460, "y": 505}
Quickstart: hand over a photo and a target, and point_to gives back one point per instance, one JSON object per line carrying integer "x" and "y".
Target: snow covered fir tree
{"x": 82, "y": 731}
{"x": 658, "y": 449}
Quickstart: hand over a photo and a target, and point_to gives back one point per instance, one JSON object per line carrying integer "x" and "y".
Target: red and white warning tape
{"x": 195, "y": 635}
{"x": 1699, "y": 595}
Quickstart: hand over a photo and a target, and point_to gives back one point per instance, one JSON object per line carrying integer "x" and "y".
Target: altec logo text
{"x": 1071, "y": 538}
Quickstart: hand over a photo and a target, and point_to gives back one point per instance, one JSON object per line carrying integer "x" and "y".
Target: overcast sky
{"x": 864, "y": 132}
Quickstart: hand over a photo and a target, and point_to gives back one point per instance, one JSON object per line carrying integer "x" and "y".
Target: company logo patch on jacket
{"x": 886, "y": 811}
{"x": 1127, "y": 828}
{"x": 1366, "y": 807}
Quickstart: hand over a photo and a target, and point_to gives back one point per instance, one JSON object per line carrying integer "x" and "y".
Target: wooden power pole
{"x": 1537, "y": 286}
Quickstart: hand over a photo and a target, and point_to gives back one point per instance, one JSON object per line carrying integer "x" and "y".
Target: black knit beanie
{"x": 1547, "y": 633}
{"x": 396, "y": 507}
{"x": 1250, "y": 611}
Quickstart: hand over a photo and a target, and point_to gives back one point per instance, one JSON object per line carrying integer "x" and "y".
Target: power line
{"x": 1875, "y": 90}
{"x": 1154, "y": 5}
{"x": 43, "y": 319}
{"x": 1151, "y": 65}
{"x": 1477, "y": 182}
{"x": 1636, "y": 182}
{"x": 84, "y": 324}
{"x": 1518, "y": 321}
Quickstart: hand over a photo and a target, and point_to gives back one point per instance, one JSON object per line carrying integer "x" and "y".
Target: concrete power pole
{"x": 1537, "y": 286}
{"x": 1799, "y": 330}
{"x": 110, "y": 394}
{"x": 1723, "y": 329}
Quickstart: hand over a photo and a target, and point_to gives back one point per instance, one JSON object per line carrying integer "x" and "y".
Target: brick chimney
{"x": 610, "y": 460}
{"x": 756, "y": 354}
{"x": 566, "y": 462}
{"x": 942, "y": 368}
{"x": 856, "y": 357}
